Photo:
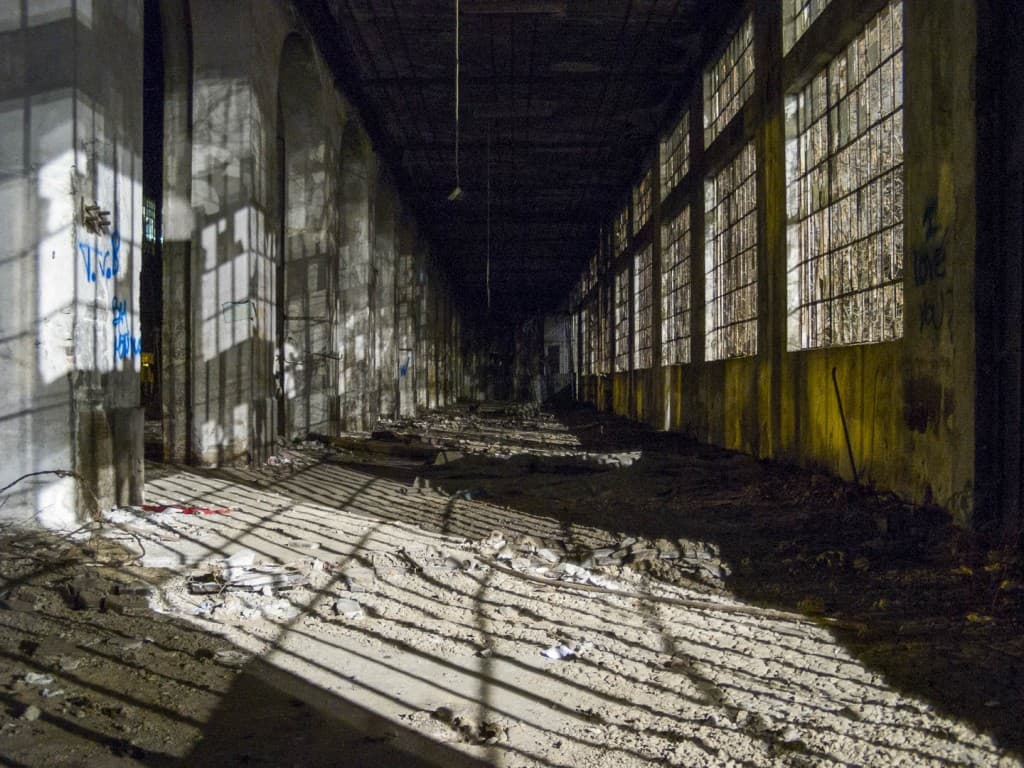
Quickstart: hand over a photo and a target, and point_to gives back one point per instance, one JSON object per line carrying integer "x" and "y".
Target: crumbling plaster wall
{"x": 70, "y": 137}
{"x": 275, "y": 143}
{"x": 271, "y": 224}
{"x": 908, "y": 404}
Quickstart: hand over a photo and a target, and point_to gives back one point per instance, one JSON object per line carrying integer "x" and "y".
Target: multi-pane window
{"x": 593, "y": 335}
{"x": 844, "y": 168}
{"x": 602, "y": 362}
{"x": 675, "y": 289}
{"x": 675, "y": 155}
{"x": 620, "y": 231}
{"x": 730, "y": 258}
{"x": 729, "y": 82}
{"x": 797, "y": 16}
{"x": 149, "y": 220}
{"x": 582, "y": 333}
{"x": 590, "y": 275}
{"x": 622, "y": 320}
{"x": 643, "y": 198}
{"x": 643, "y": 301}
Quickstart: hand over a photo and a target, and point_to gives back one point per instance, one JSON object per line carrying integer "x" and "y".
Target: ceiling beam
{"x": 514, "y": 7}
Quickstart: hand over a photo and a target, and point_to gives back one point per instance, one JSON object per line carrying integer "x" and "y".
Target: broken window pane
{"x": 643, "y": 199}
{"x": 675, "y": 155}
{"x": 675, "y": 289}
{"x": 797, "y": 16}
{"x": 643, "y": 300}
{"x": 730, "y": 253}
{"x": 620, "y": 231}
{"x": 729, "y": 82}
{"x": 622, "y": 320}
{"x": 858, "y": 185}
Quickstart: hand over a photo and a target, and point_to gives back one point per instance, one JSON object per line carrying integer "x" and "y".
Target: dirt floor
{"x": 495, "y": 586}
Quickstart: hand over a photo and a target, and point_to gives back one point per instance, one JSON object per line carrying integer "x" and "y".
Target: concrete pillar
{"x": 940, "y": 235}
{"x": 71, "y": 212}
{"x": 384, "y": 249}
{"x": 176, "y": 248}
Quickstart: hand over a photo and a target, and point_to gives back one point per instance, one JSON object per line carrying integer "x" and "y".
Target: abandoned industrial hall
{"x": 525, "y": 383}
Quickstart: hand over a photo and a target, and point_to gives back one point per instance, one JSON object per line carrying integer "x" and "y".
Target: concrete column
{"x": 176, "y": 248}
{"x": 940, "y": 235}
{"x": 385, "y": 376}
{"x": 71, "y": 211}
{"x": 771, "y": 222}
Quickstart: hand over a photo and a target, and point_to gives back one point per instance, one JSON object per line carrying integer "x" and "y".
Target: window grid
{"x": 620, "y": 231}
{"x": 730, "y": 258}
{"x": 592, "y": 336}
{"x": 581, "y": 332}
{"x": 845, "y": 194}
{"x": 797, "y": 17}
{"x": 675, "y": 156}
{"x": 604, "y": 317}
{"x": 622, "y": 320}
{"x": 149, "y": 220}
{"x": 643, "y": 300}
{"x": 675, "y": 290}
{"x": 643, "y": 199}
{"x": 729, "y": 82}
{"x": 591, "y": 274}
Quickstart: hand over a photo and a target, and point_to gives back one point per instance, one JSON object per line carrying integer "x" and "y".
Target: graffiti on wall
{"x": 99, "y": 261}
{"x": 936, "y": 307}
{"x": 102, "y": 261}
{"x": 126, "y": 345}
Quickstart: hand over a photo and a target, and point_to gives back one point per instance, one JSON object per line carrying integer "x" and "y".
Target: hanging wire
{"x": 488, "y": 221}
{"x": 458, "y": 186}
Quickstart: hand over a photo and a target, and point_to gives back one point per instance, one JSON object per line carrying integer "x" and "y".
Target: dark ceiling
{"x": 569, "y": 96}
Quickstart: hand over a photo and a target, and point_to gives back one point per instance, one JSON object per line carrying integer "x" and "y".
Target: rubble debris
{"x": 87, "y": 592}
{"x": 558, "y": 652}
{"x": 258, "y": 578}
{"x": 230, "y": 657}
{"x": 185, "y": 510}
{"x": 434, "y": 562}
{"x": 358, "y": 578}
{"x": 395, "y": 446}
{"x": 31, "y": 713}
{"x": 466, "y": 728}
{"x": 241, "y": 572}
{"x": 348, "y": 609}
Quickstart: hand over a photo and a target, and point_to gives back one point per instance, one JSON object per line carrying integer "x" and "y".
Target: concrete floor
{"x": 704, "y": 658}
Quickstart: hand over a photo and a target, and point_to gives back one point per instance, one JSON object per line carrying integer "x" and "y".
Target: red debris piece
{"x": 184, "y": 510}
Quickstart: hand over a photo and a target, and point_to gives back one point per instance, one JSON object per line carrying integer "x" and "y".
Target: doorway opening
{"x": 151, "y": 294}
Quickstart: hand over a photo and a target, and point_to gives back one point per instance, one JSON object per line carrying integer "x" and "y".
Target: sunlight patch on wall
{"x": 224, "y": 289}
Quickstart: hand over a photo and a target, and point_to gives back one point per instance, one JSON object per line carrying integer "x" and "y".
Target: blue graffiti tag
{"x": 404, "y": 367}
{"x": 99, "y": 262}
{"x": 125, "y": 344}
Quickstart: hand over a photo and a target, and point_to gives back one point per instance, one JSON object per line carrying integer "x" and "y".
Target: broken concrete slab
{"x": 358, "y": 578}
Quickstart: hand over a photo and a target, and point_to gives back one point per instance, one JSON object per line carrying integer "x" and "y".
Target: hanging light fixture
{"x": 457, "y": 192}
